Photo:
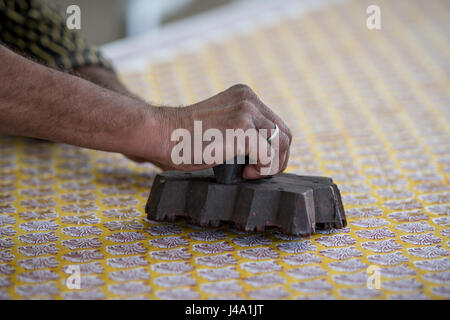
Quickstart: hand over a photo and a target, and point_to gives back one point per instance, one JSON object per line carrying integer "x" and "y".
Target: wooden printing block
{"x": 297, "y": 205}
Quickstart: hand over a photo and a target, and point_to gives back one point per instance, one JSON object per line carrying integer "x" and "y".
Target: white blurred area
{"x": 104, "y": 21}
{"x": 132, "y": 32}
{"x": 145, "y": 15}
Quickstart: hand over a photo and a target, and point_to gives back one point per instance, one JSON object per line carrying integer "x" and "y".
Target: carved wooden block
{"x": 297, "y": 205}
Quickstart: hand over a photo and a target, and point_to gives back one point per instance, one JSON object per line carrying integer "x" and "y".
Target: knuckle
{"x": 244, "y": 123}
{"x": 246, "y": 107}
{"x": 242, "y": 91}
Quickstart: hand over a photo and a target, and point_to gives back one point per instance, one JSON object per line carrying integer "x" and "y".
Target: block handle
{"x": 230, "y": 173}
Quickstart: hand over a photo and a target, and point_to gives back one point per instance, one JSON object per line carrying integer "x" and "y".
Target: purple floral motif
{"x": 218, "y": 274}
{"x": 440, "y": 209}
{"x": 39, "y": 250}
{"x": 78, "y": 197}
{"x": 261, "y": 266}
{"x": 85, "y": 268}
{"x": 129, "y": 288}
{"x": 404, "y": 204}
{"x": 45, "y": 289}
{"x": 126, "y": 249}
{"x": 421, "y": 239}
{"x": 178, "y": 294}
{"x": 366, "y": 212}
{"x": 217, "y": 261}
{"x": 441, "y": 264}
{"x": 221, "y": 287}
{"x": 382, "y": 246}
{"x": 440, "y": 277}
{"x": 301, "y": 259}
{"x": 80, "y": 207}
{"x": 397, "y": 271}
{"x": 259, "y": 253}
{"x": 38, "y": 276}
{"x": 124, "y": 213}
{"x": 307, "y": 272}
{"x": 172, "y": 267}
{"x": 127, "y": 262}
{"x": 81, "y": 219}
{"x": 359, "y": 293}
{"x": 38, "y": 203}
{"x": 350, "y": 265}
{"x": 129, "y": 275}
{"x": 5, "y": 219}
{"x": 388, "y": 259}
{"x": 6, "y": 269}
{"x": 273, "y": 293}
{"x": 40, "y": 237}
{"x": 6, "y": 256}
{"x": 212, "y": 248}
{"x": 89, "y": 282}
{"x": 82, "y": 231}
{"x": 7, "y": 208}
{"x": 441, "y": 291}
{"x": 351, "y": 279}
{"x": 263, "y": 280}
{"x": 405, "y": 216}
{"x": 124, "y": 225}
{"x": 163, "y": 230}
{"x": 208, "y": 235}
{"x": 312, "y": 286}
{"x": 6, "y": 243}
{"x": 42, "y": 225}
{"x": 341, "y": 253}
{"x": 169, "y": 242}
{"x": 428, "y": 252}
{"x": 83, "y": 255}
{"x": 297, "y": 246}
{"x": 402, "y": 285}
{"x": 38, "y": 263}
{"x": 84, "y": 243}
{"x": 336, "y": 240}
{"x": 251, "y": 241}
{"x": 371, "y": 223}
{"x": 414, "y": 227}
{"x": 126, "y": 237}
{"x": 376, "y": 234}
{"x": 173, "y": 254}
{"x": 39, "y": 214}
{"x": 175, "y": 281}
{"x": 120, "y": 201}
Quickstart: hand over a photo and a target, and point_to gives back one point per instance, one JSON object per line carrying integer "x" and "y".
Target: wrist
{"x": 152, "y": 138}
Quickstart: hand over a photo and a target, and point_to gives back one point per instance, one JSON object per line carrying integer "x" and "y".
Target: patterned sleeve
{"x": 37, "y": 30}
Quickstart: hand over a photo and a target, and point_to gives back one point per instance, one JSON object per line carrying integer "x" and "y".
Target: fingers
{"x": 277, "y": 155}
{"x": 239, "y": 108}
{"x": 266, "y": 163}
{"x": 263, "y": 118}
{"x": 244, "y": 92}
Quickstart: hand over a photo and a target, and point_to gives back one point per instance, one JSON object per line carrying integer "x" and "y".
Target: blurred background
{"x": 125, "y": 18}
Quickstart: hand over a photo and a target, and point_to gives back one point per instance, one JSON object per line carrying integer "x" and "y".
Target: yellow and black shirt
{"x": 37, "y": 30}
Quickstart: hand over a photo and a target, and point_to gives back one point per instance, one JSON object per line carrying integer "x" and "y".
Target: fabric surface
{"x": 370, "y": 108}
{"x": 35, "y": 29}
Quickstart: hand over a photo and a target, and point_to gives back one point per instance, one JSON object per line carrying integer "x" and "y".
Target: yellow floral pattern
{"x": 370, "y": 108}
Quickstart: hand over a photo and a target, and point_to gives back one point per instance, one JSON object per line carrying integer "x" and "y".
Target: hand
{"x": 235, "y": 108}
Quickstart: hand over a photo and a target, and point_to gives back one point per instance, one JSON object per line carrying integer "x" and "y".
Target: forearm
{"x": 36, "y": 101}
{"x": 103, "y": 77}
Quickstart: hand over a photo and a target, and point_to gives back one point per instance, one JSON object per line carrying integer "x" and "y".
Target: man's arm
{"x": 103, "y": 77}
{"x": 40, "y": 102}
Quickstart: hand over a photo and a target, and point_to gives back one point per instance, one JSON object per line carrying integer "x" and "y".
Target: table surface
{"x": 370, "y": 108}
